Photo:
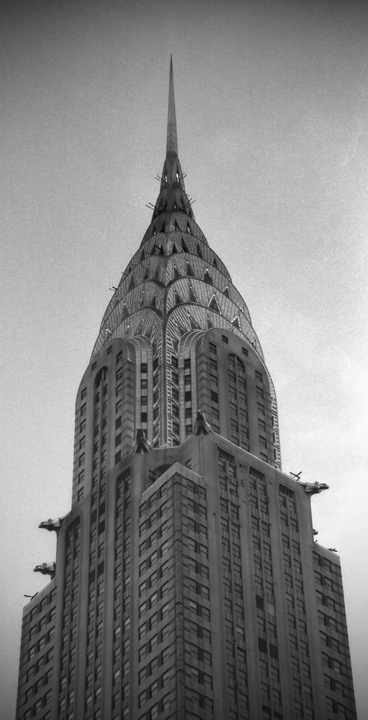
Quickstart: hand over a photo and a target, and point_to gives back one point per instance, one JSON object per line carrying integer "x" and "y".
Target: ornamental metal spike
{"x": 172, "y": 138}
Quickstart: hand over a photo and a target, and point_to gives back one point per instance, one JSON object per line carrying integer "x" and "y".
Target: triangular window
{"x": 132, "y": 283}
{"x": 176, "y": 272}
{"x": 214, "y": 304}
{"x": 153, "y": 301}
{"x": 214, "y": 262}
{"x": 142, "y": 255}
{"x": 226, "y": 291}
{"x": 125, "y": 312}
{"x": 185, "y": 249}
{"x": 192, "y": 296}
{"x": 207, "y": 277}
{"x": 178, "y": 299}
{"x": 199, "y": 252}
{"x": 236, "y": 322}
{"x": 188, "y": 229}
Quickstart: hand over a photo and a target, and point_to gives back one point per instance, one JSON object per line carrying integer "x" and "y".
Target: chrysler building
{"x": 187, "y": 584}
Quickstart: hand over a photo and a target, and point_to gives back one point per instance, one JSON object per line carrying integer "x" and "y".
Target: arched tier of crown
{"x": 176, "y": 274}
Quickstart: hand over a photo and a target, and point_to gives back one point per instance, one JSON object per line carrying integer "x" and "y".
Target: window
{"x": 164, "y": 547}
{"x": 225, "y": 339}
{"x": 164, "y": 610}
{"x": 141, "y": 698}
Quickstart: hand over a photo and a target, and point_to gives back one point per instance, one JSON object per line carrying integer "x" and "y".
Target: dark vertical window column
{"x": 122, "y": 603}
{"x": 264, "y": 600}
{"x": 144, "y": 397}
{"x": 96, "y": 583}
{"x": 233, "y": 610}
{"x": 173, "y": 375}
{"x": 194, "y": 581}
{"x": 188, "y": 397}
{"x": 67, "y": 686}
{"x": 157, "y": 608}
{"x": 238, "y": 410}
{"x": 214, "y": 388}
{"x": 79, "y": 474}
{"x": 156, "y": 404}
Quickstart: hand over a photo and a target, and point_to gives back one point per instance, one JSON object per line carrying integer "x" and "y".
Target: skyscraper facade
{"x": 187, "y": 583}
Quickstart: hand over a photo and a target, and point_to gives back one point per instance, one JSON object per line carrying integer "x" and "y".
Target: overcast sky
{"x": 272, "y": 110}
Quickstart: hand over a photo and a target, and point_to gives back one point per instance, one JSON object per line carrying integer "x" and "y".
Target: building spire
{"x": 172, "y": 138}
{"x": 172, "y": 197}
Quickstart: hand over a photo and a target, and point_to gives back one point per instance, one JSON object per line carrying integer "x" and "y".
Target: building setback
{"x": 187, "y": 582}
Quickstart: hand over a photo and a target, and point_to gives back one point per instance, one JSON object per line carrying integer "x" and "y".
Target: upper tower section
{"x": 174, "y": 295}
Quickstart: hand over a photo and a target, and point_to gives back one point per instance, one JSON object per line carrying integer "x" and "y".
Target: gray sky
{"x": 272, "y": 109}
